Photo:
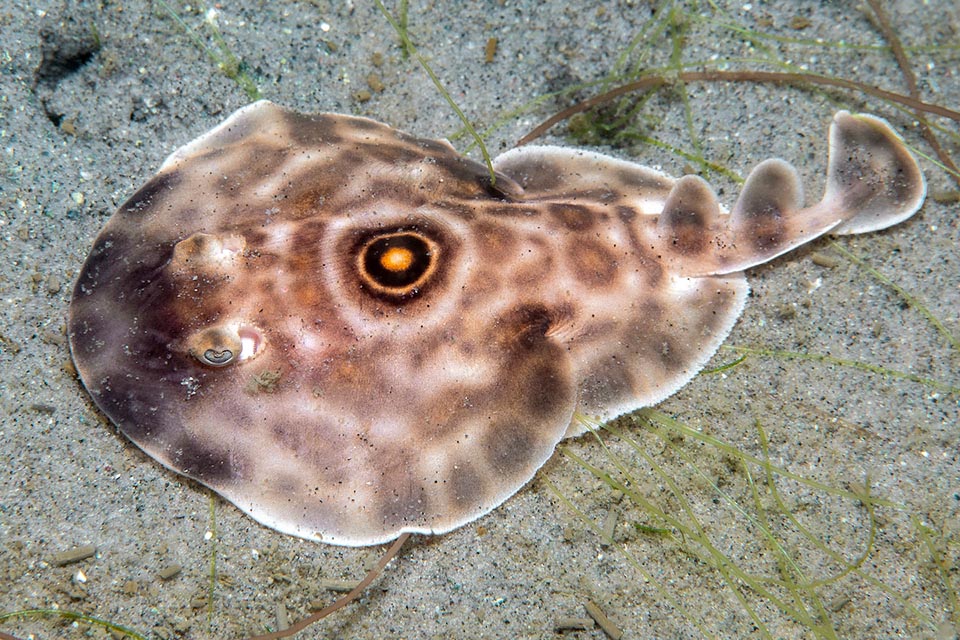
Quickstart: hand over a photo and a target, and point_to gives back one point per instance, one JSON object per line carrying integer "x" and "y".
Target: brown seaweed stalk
{"x": 774, "y": 77}
{"x": 911, "y": 79}
{"x": 342, "y": 602}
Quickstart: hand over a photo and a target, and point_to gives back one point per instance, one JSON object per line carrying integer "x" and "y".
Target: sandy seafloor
{"x": 78, "y": 136}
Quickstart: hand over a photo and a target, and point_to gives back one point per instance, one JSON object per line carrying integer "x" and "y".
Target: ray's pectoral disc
{"x": 346, "y": 332}
{"x": 397, "y": 263}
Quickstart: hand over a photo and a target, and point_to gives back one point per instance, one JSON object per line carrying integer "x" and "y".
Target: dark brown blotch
{"x": 688, "y": 216}
{"x": 151, "y": 193}
{"x": 525, "y": 325}
{"x": 363, "y": 124}
{"x": 593, "y": 263}
{"x": 404, "y": 499}
{"x": 509, "y": 447}
{"x": 458, "y": 208}
{"x": 544, "y": 387}
{"x": 640, "y": 179}
{"x": 388, "y": 153}
{"x": 494, "y": 242}
{"x": 500, "y": 186}
{"x": 761, "y": 215}
{"x": 288, "y": 436}
{"x": 469, "y": 179}
{"x": 124, "y": 400}
{"x": 466, "y": 486}
{"x": 312, "y": 130}
{"x": 207, "y": 464}
{"x": 610, "y": 382}
{"x": 673, "y": 348}
{"x": 318, "y": 187}
{"x": 765, "y": 230}
{"x": 535, "y": 173}
{"x": 575, "y": 217}
{"x": 626, "y": 214}
{"x": 507, "y": 210}
{"x": 306, "y": 243}
{"x": 688, "y": 236}
{"x": 645, "y": 259}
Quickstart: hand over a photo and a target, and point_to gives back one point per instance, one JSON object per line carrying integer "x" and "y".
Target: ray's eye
{"x": 215, "y": 347}
{"x": 225, "y": 344}
{"x": 397, "y": 264}
{"x": 216, "y": 358}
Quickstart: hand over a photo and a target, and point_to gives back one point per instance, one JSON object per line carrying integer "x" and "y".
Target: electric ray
{"x": 350, "y": 332}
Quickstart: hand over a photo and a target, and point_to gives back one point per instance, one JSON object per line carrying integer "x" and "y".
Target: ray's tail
{"x": 873, "y": 182}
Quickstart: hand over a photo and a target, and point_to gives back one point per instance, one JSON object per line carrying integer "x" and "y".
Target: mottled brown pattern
{"x": 243, "y": 319}
{"x": 594, "y": 263}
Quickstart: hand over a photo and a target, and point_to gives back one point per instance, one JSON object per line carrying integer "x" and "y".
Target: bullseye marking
{"x": 397, "y": 259}
{"x": 397, "y": 263}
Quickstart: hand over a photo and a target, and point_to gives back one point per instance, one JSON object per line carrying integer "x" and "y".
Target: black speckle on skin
{"x": 713, "y": 307}
{"x": 101, "y": 263}
{"x": 901, "y": 187}
{"x": 379, "y": 188}
{"x": 644, "y": 259}
{"x": 306, "y": 243}
{"x": 457, "y": 208}
{"x": 652, "y": 311}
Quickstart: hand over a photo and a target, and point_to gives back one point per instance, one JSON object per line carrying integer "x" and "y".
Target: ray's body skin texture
{"x": 351, "y": 333}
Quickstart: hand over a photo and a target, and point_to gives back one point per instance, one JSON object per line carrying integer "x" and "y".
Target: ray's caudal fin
{"x": 873, "y": 182}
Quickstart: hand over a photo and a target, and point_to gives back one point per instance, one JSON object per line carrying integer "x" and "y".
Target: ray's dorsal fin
{"x": 873, "y": 182}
